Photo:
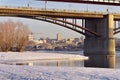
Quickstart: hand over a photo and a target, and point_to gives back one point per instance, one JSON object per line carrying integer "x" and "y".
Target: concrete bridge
{"x": 97, "y": 27}
{"x": 101, "y": 2}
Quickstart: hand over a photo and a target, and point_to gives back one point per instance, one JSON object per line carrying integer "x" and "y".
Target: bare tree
{"x": 6, "y": 35}
{"x": 21, "y": 35}
{"x": 13, "y": 35}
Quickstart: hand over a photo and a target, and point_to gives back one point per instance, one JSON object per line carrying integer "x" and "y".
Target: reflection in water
{"x": 60, "y": 63}
{"x": 30, "y": 64}
{"x": 117, "y": 62}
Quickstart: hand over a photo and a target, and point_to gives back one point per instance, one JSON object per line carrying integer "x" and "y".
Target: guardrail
{"x": 57, "y": 10}
{"x": 101, "y": 2}
{"x": 106, "y": 1}
{"x": 48, "y": 9}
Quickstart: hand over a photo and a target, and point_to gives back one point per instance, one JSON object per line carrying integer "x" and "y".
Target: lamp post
{"x": 28, "y": 5}
{"x": 45, "y": 4}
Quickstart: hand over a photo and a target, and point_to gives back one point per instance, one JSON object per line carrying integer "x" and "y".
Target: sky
{"x": 47, "y": 29}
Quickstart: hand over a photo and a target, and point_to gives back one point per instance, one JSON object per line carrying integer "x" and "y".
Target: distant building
{"x": 38, "y": 42}
{"x": 70, "y": 41}
{"x": 76, "y": 39}
{"x": 59, "y": 37}
{"x": 44, "y": 41}
{"x": 30, "y": 37}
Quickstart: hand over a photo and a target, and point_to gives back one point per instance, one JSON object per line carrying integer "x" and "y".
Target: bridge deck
{"x": 103, "y": 2}
{"x": 31, "y": 12}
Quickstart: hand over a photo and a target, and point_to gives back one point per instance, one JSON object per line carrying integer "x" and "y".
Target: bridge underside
{"x": 63, "y": 22}
{"x": 102, "y": 2}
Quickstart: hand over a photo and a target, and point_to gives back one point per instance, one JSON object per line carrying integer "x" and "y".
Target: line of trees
{"x": 13, "y": 35}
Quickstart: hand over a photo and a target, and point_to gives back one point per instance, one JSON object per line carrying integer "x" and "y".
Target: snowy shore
{"x": 15, "y": 72}
{"x": 26, "y": 56}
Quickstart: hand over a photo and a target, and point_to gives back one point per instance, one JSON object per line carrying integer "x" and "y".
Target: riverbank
{"x": 13, "y": 72}
{"x": 33, "y": 56}
{"x": 24, "y": 72}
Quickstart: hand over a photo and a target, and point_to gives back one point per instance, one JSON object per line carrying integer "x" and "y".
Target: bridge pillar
{"x": 100, "y": 50}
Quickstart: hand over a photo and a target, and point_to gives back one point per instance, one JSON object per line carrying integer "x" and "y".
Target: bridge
{"x": 57, "y": 16}
{"x": 102, "y": 2}
{"x": 97, "y": 27}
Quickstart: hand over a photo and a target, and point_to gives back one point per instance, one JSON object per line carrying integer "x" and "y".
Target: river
{"x": 70, "y": 63}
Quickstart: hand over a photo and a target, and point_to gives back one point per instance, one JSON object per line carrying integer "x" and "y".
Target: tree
{"x": 21, "y": 35}
{"x": 13, "y": 35}
{"x": 6, "y": 35}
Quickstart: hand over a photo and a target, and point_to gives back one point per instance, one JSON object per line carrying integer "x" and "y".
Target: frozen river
{"x": 71, "y": 63}
{"x": 50, "y": 72}
{"x": 59, "y": 63}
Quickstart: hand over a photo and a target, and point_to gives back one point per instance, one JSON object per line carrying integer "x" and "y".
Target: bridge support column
{"x": 100, "y": 50}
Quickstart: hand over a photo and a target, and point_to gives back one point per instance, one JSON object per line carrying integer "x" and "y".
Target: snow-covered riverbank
{"x": 26, "y": 56}
{"x": 15, "y": 72}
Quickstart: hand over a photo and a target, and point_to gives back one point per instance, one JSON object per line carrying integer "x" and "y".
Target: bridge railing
{"x": 57, "y": 10}
{"x": 45, "y": 9}
{"x": 109, "y": 1}
{"x": 101, "y": 2}
{"x": 49, "y": 9}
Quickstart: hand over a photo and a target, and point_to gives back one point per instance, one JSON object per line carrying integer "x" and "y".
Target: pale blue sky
{"x": 47, "y": 29}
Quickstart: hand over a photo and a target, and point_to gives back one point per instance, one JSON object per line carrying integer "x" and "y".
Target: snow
{"x": 15, "y": 72}
{"x": 32, "y": 56}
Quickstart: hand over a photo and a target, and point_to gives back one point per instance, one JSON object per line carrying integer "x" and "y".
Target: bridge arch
{"x": 69, "y": 25}
{"x": 116, "y": 30}
{"x": 63, "y": 23}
